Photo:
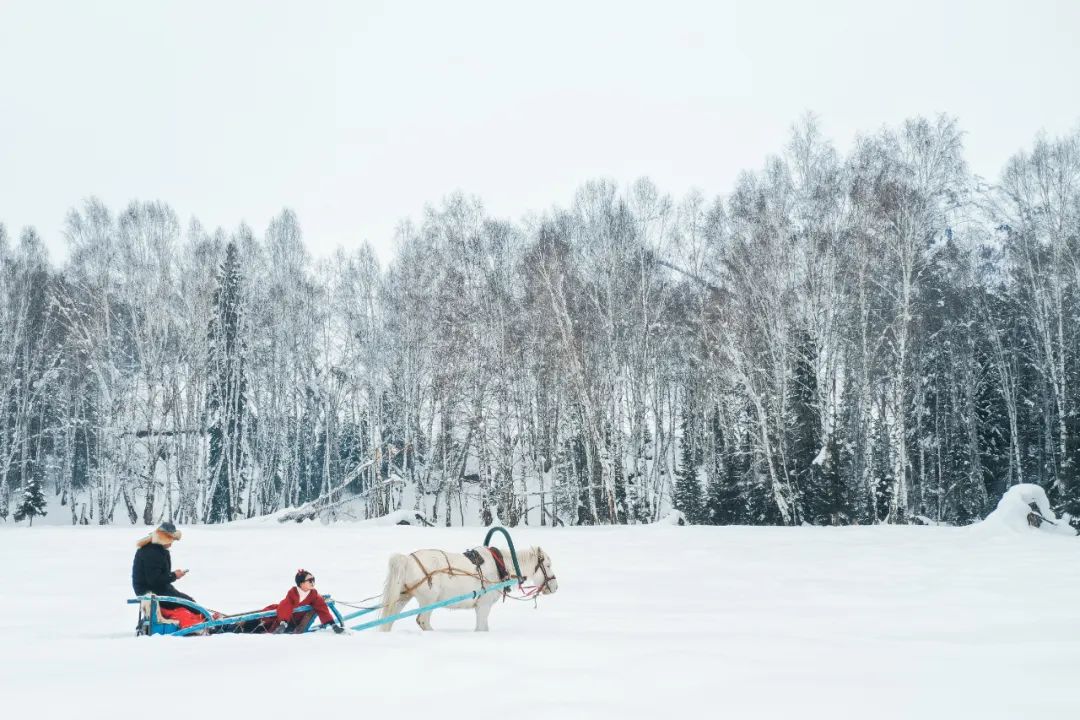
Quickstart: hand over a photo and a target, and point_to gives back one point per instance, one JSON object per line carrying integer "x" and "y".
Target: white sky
{"x": 357, "y": 114}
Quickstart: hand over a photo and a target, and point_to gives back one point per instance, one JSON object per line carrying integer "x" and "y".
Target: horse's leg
{"x": 394, "y": 610}
{"x": 426, "y": 596}
{"x": 483, "y": 609}
{"x": 392, "y": 596}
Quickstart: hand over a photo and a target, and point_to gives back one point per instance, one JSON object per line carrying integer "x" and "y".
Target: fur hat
{"x": 168, "y": 528}
{"x": 165, "y": 534}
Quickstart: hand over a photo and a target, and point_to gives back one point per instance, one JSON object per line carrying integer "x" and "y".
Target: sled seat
{"x": 150, "y": 617}
{"x": 153, "y": 622}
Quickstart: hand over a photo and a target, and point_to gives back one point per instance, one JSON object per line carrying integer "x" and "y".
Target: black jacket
{"x": 151, "y": 572}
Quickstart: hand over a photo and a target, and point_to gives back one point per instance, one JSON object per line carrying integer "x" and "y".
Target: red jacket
{"x": 286, "y": 607}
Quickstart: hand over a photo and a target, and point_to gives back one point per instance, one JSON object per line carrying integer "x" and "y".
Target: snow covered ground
{"x": 660, "y": 621}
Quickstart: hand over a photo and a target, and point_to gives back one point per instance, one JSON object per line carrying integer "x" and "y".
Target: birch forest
{"x": 868, "y": 336}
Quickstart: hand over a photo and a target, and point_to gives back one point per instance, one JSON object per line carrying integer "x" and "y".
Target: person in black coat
{"x": 152, "y": 572}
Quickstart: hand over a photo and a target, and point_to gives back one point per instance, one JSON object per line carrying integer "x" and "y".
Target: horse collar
{"x": 500, "y": 564}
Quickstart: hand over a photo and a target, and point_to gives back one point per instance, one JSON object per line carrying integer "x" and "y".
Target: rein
{"x": 533, "y": 591}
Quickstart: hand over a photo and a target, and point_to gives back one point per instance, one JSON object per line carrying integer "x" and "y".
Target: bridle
{"x": 543, "y": 571}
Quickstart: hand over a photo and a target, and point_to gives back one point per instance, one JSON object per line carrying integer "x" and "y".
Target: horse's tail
{"x": 395, "y": 579}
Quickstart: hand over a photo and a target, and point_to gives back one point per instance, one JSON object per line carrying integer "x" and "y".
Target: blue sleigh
{"x": 151, "y": 621}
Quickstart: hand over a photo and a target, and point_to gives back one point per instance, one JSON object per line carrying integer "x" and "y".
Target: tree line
{"x": 869, "y": 337}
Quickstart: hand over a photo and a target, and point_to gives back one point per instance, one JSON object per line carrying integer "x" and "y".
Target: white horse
{"x": 432, "y": 576}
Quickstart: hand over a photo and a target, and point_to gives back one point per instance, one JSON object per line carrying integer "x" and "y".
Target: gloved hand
{"x": 281, "y": 628}
{"x": 338, "y": 630}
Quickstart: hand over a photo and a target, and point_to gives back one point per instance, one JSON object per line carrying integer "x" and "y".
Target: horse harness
{"x": 500, "y": 564}
{"x": 477, "y": 559}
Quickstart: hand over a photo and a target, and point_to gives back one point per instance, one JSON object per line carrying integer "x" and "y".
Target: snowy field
{"x": 659, "y": 621}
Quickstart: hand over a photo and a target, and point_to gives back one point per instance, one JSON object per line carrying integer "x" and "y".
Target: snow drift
{"x": 1024, "y": 508}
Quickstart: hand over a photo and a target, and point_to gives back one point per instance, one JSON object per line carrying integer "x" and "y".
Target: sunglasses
{"x": 309, "y": 579}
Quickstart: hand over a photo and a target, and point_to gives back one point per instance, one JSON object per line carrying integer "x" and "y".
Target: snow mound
{"x": 1024, "y": 508}
{"x": 675, "y": 517}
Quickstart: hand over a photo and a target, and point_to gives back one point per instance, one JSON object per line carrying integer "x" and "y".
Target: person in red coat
{"x": 288, "y": 620}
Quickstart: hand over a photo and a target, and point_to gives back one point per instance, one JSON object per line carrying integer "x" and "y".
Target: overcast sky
{"x": 357, "y": 114}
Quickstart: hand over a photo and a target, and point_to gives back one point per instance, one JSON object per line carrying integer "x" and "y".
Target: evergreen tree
{"x": 804, "y": 435}
{"x": 227, "y": 402}
{"x": 1068, "y": 492}
{"x": 835, "y": 503}
{"x": 1069, "y": 495}
{"x": 312, "y": 447}
{"x": 33, "y": 502}
{"x": 620, "y": 489}
{"x": 687, "y": 495}
{"x": 582, "y": 478}
{"x": 881, "y": 470}
{"x": 722, "y": 500}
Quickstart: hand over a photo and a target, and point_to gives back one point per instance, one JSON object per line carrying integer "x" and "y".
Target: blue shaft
{"x": 428, "y": 608}
{"x": 358, "y": 613}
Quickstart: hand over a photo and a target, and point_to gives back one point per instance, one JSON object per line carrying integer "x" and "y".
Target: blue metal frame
{"x": 358, "y": 613}
{"x": 150, "y": 625}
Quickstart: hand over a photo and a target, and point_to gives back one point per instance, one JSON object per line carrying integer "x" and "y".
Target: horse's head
{"x": 542, "y": 575}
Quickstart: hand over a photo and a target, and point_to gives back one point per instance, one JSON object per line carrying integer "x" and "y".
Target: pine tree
{"x": 722, "y": 500}
{"x": 804, "y": 435}
{"x": 581, "y": 478}
{"x": 1068, "y": 495}
{"x": 881, "y": 472}
{"x": 33, "y": 502}
{"x": 619, "y": 481}
{"x": 228, "y": 393}
{"x": 687, "y": 495}
{"x": 836, "y": 500}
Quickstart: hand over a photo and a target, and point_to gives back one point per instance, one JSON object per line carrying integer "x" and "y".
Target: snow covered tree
{"x": 908, "y": 183}
{"x": 862, "y": 342}
{"x": 687, "y": 494}
{"x": 722, "y": 497}
{"x": 1038, "y": 210}
{"x": 32, "y": 504}
{"x": 31, "y": 347}
{"x": 805, "y": 431}
{"x": 227, "y": 401}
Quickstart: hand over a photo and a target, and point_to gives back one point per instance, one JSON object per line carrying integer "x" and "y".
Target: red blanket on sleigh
{"x": 182, "y": 615}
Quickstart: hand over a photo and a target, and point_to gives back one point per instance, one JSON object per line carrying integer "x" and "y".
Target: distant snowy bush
{"x": 1024, "y": 508}
{"x": 675, "y": 517}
